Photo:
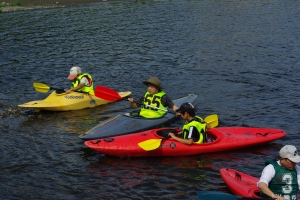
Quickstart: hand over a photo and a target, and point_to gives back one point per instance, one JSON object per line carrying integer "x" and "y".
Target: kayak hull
{"x": 224, "y": 138}
{"x": 65, "y": 102}
{"x": 126, "y": 123}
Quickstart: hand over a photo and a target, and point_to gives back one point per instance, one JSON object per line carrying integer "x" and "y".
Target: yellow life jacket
{"x": 86, "y": 89}
{"x": 200, "y": 126}
{"x": 153, "y": 101}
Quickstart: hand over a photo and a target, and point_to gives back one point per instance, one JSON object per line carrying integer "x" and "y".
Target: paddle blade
{"x": 41, "y": 87}
{"x": 212, "y": 120}
{"x": 150, "y": 144}
{"x": 107, "y": 94}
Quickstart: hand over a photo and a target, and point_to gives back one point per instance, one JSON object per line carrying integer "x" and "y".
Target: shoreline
{"x": 42, "y": 4}
{"x": 7, "y": 9}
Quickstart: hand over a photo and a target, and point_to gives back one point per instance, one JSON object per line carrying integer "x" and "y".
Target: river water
{"x": 240, "y": 57}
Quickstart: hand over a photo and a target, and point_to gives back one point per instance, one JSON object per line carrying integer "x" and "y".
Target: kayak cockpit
{"x": 165, "y": 132}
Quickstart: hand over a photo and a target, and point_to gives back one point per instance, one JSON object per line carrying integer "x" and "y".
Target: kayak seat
{"x": 208, "y": 140}
{"x": 210, "y": 137}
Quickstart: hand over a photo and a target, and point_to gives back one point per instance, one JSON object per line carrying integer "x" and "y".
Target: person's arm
{"x": 166, "y": 101}
{"x": 84, "y": 81}
{"x": 297, "y": 167}
{"x": 78, "y": 87}
{"x": 134, "y": 104}
{"x": 266, "y": 190}
{"x": 267, "y": 175}
{"x": 193, "y": 133}
{"x": 207, "y": 126}
{"x": 174, "y": 107}
{"x": 188, "y": 141}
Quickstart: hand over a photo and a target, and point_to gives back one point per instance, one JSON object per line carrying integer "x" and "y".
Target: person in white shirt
{"x": 280, "y": 178}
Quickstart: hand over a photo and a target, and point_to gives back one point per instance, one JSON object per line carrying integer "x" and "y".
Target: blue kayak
{"x": 217, "y": 195}
{"x": 131, "y": 123}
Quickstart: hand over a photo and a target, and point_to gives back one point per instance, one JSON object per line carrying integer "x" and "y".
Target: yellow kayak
{"x": 72, "y": 101}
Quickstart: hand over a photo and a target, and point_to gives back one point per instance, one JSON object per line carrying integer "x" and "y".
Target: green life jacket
{"x": 200, "y": 126}
{"x": 86, "y": 89}
{"x": 284, "y": 183}
{"x": 153, "y": 101}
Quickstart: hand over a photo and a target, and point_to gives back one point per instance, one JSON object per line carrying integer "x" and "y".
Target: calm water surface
{"x": 240, "y": 57}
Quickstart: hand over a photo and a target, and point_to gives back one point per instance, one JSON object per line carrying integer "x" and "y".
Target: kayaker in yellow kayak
{"x": 80, "y": 82}
{"x": 154, "y": 102}
{"x": 194, "y": 129}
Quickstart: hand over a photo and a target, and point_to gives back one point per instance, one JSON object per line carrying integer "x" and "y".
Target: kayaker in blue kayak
{"x": 155, "y": 102}
{"x": 280, "y": 179}
{"x": 80, "y": 82}
{"x": 194, "y": 129}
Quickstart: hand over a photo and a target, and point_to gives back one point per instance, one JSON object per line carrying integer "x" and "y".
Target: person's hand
{"x": 208, "y": 126}
{"x": 178, "y": 114}
{"x": 278, "y": 197}
{"x": 68, "y": 91}
{"x": 130, "y": 100}
{"x": 132, "y": 103}
{"x": 171, "y": 135}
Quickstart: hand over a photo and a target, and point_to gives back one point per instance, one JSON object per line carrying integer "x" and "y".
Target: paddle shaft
{"x": 157, "y": 108}
{"x": 43, "y": 88}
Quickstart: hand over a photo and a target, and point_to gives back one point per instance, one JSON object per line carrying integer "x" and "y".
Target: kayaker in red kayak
{"x": 281, "y": 179}
{"x": 194, "y": 129}
{"x": 80, "y": 82}
{"x": 154, "y": 102}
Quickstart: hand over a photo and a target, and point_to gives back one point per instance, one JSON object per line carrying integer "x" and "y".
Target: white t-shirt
{"x": 269, "y": 172}
{"x": 85, "y": 81}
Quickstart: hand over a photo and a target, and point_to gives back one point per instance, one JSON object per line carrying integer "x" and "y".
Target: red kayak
{"x": 239, "y": 183}
{"x": 156, "y": 143}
